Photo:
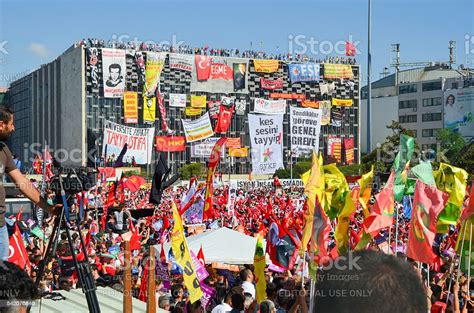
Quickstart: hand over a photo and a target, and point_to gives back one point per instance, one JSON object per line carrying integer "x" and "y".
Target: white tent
{"x": 221, "y": 245}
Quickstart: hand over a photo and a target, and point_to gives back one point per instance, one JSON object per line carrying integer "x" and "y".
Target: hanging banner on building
{"x": 266, "y": 133}
{"x": 334, "y": 147}
{"x": 192, "y": 111}
{"x": 139, "y": 141}
{"x": 336, "y": 71}
{"x": 130, "y": 107}
{"x": 325, "y": 107}
{"x": 459, "y": 111}
{"x": 271, "y": 84}
{"x": 349, "y": 147}
{"x": 93, "y": 62}
{"x": 155, "y": 61}
{"x": 276, "y": 95}
{"x": 182, "y": 62}
{"x": 305, "y": 72}
{"x": 216, "y": 75}
{"x": 170, "y": 143}
{"x": 336, "y": 117}
{"x": 240, "y": 76}
{"x": 269, "y": 106}
{"x": 232, "y": 142}
{"x": 177, "y": 100}
{"x": 198, "y": 101}
{"x": 213, "y": 108}
{"x": 310, "y": 104}
{"x": 305, "y": 128}
{"x": 203, "y": 149}
{"x": 225, "y": 117}
{"x": 198, "y": 129}
{"x": 114, "y": 70}
{"x": 342, "y": 102}
{"x": 240, "y": 106}
{"x": 238, "y": 152}
{"x": 149, "y": 109}
{"x": 266, "y": 66}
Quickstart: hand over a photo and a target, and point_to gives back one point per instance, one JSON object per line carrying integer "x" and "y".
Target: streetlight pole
{"x": 369, "y": 69}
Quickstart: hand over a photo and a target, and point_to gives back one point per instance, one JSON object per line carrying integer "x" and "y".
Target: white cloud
{"x": 39, "y": 50}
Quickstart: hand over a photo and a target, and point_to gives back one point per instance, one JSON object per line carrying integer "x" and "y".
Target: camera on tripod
{"x": 72, "y": 181}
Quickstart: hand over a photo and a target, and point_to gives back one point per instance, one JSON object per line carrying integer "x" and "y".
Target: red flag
{"x": 200, "y": 257}
{"x": 19, "y": 215}
{"x": 214, "y": 159}
{"x": 203, "y": 66}
{"x": 161, "y": 107}
{"x": 225, "y": 116}
{"x": 469, "y": 209}
{"x": 48, "y": 174}
{"x": 381, "y": 215}
{"x": 119, "y": 192}
{"x": 37, "y": 164}
{"x": 162, "y": 254}
{"x": 111, "y": 196}
{"x": 166, "y": 222}
{"x": 350, "y": 49}
{"x": 318, "y": 245}
{"x": 143, "y": 284}
{"x": 135, "y": 238}
{"x": 17, "y": 251}
{"x": 427, "y": 204}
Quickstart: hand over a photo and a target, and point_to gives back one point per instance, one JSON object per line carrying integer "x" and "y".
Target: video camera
{"x": 73, "y": 180}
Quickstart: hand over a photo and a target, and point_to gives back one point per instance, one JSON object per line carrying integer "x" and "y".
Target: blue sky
{"x": 35, "y": 32}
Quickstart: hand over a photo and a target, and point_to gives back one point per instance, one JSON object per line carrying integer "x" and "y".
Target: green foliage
{"x": 302, "y": 165}
{"x": 193, "y": 169}
{"x": 451, "y": 143}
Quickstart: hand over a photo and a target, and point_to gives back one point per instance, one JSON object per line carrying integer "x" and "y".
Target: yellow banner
{"x": 198, "y": 101}
{"x": 183, "y": 258}
{"x": 149, "y": 109}
{"x": 155, "y": 62}
{"x": 259, "y": 265}
{"x": 342, "y": 102}
{"x": 193, "y": 111}
{"x": 130, "y": 107}
{"x": 238, "y": 152}
{"x": 266, "y": 66}
{"x": 335, "y": 71}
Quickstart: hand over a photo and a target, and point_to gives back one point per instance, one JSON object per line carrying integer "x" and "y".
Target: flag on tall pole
{"x": 428, "y": 203}
{"x": 214, "y": 159}
{"x": 381, "y": 215}
{"x": 401, "y": 163}
{"x": 365, "y": 184}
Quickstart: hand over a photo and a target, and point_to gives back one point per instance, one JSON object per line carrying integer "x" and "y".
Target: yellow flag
{"x": 183, "y": 258}
{"x": 365, "y": 184}
{"x": 259, "y": 271}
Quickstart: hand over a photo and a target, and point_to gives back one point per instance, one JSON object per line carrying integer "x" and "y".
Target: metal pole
{"x": 369, "y": 87}
{"x": 469, "y": 257}
{"x": 396, "y": 235}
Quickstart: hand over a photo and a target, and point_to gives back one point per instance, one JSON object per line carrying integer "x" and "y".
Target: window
{"x": 429, "y": 102}
{"x": 429, "y": 117}
{"x": 407, "y": 119}
{"x": 407, "y": 89}
{"x": 431, "y": 86}
{"x": 407, "y": 104}
{"x": 455, "y": 85}
{"x": 429, "y": 132}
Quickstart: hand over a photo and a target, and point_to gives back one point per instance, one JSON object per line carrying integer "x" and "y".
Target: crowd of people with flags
{"x": 420, "y": 216}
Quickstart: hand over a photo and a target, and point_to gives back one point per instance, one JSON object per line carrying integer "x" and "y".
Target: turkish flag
{"x": 225, "y": 116}
{"x": 200, "y": 257}
{"x": 427, "y": 205}
{"x": 135, "y": 238}
{"x": 17, "y": 251}
{"x": 350, "y": 49}
{"x": 203, "y": 66}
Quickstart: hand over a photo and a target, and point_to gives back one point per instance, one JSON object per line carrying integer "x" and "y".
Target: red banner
{"x": 225, "y": 116}
{"x": 214, "y": 159}
{"x": 203, "y": 66}
{"x": 271, "y": 84}
{"x": 221, "y": 71}
{"x": 171, "y": 144}
{"x": 287, "y": 96}
{"x": 349, "y": 146}
{"x": 232, "y": 143}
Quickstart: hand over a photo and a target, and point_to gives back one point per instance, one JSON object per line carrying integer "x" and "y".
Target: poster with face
{"x": 240, "y": 70}
{"x": 114, "y": 70}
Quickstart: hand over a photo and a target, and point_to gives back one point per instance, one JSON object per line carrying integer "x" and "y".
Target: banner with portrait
{"x": 114, "y": 70}
{"x": 149, "y": 109}
{"x": 325, "y": 106}
{"x": 459, "y": 111}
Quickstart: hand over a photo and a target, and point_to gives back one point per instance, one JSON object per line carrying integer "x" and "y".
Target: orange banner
{"x": 130, "y": 107}
{"x": 342, "y": 102}
{"x": 310, "y": 104}
{"x": 277, "y": 95}
{"x": 238, "y": 152}
{"x": 266, "y": 66}
{"x": 233, "y": 143}
{"x": 170, "y": 144}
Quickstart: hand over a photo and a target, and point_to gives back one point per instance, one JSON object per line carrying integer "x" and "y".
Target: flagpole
{"x": 459, "y": 265}
{"x": 450, "y": 281}
{"x": 302, "y": 270}
{"x": 396, "y": 235}
{"x": 469, "y": 256}
{"x": 390, "y": 237}
{"x": 311, "y": 295}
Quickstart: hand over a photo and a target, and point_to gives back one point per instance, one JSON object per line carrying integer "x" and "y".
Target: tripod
{"x": 83, "y": 268}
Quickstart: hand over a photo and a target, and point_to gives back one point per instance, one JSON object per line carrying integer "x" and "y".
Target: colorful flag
{"x": 465, "y": 243}
{"x": 259, "y": 271}
{"x": 469, "y": 209}
{"x": 400, "y": 165}
{"x": 318, "y": 249}
{"x": 428, "y": 203}
{"x": 365, "y": 184}
{"x": 381, "y": 215}
{"x": 451, "y": 180}
{"x": 183, "y": 257}
{"x": 424, "y": 172}
{"x": 225, "y": 116}
{"x": 214, "y": 159}
{"x": 350, "y": 49}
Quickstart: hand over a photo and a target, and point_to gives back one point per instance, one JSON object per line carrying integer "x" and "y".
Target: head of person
{"x": 450, "y": 100}
{"x": 17, "y": 286}
{"x": 365, "y": 280}
{"x": 164, "y": 303}
{"x": 267, "y": 306}
{"x": 177, "y": 291}
{"x": 238, "y": 301}
{"x": 6, "y": 123}
{"x": 114, "y": 70}
{"x": 246, "y": 275}
{"x": 194, "y": 307}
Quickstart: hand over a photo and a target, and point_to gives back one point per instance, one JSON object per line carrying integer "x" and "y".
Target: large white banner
{"x": 178, "y": 100}
{"x": 181, "y": 61}
{"x": 266, "y": 135}
{"x": 139, "y": 142}
{"x": 269, "y": 106}
{"x": 114, "y": 71}
{"x": 203, "y": 149}
{"x": 305, "y": 127}
{"x": 198, "y": 129}
{"x": 459, "y": 111}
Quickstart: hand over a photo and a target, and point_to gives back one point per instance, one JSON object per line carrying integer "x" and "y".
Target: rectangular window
{"x": 407, "y": 89}
{"x": 407, "y": 119}
{"x": 407, "y": 104}
{"x": 454, "y": 85}
{"x": 429, "y": 117}
{"x": 429, "y": 132}
{"x": 429, "y": 102}
{"x": 431, "y": 86}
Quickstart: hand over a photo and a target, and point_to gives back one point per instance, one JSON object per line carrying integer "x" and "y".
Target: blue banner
{"x": 303, "y": 72}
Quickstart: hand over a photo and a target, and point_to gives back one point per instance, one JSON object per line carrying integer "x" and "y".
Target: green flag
{"x": 38, "y": 232}
{"x": 424, "y": 172}
{"x": 405, "y": 153}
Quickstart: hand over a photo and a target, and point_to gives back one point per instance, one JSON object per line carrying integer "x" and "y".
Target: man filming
{"x": 7, "y": 166}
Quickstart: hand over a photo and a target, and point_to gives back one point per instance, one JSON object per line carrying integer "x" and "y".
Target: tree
{"x": 193, "y": 169}
{"x": 451, "y": 143}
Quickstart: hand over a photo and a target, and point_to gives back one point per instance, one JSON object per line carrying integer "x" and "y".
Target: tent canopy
{"x": 221, "y": 245}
